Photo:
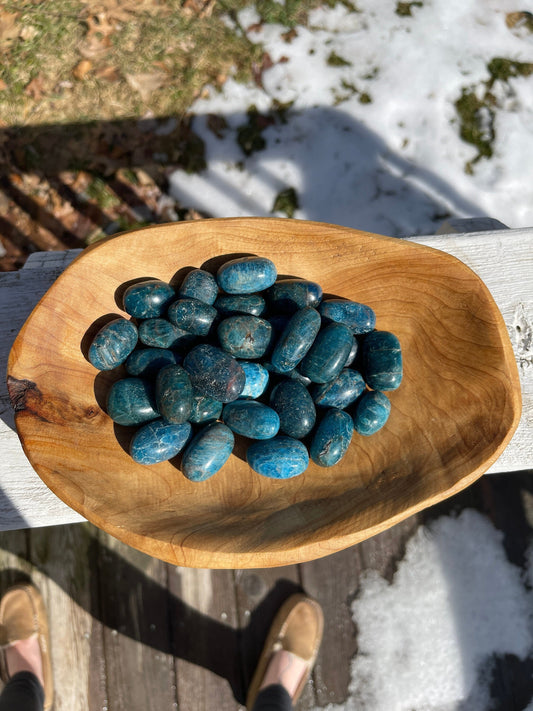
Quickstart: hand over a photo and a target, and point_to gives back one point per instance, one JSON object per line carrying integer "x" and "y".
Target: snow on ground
{"x": 371, "y": 139}
{"x": 427, "y": 641}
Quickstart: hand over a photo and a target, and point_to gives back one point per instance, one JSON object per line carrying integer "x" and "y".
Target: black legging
{"x": 23, "y": 692}
{"x": 272, "y": 698}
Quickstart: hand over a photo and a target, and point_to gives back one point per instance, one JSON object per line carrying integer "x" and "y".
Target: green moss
{"x": 502, "y": 69}
{"x": 365, "y": 98}
{"x": 334, "y": 60}
{"x": 250, "y": 135}
{"x": 404, "y": 8}
{"x": 99, "y": 191}
{"x": 477, "y": 123}
{"x": 286, "y": 201}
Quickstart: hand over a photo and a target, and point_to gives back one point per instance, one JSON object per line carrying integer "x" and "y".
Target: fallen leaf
{"x": 146, "y": 83}
{"x": 98, "y": 23}
{"x": 289, "y": 35}
{"x": 94, "y": 46}
{"x": 199, "y": 8}
{"x": 3, "y": 85}
{"x": 81, "y": 69}
{"x": 8, "y": 27}
{"x": 35, "y": 88}
{"x": 217, "y": 124}
{"x": 28, "y": 33}
{"x": 108, "y": 73}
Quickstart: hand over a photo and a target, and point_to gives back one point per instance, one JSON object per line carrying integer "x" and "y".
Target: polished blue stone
{"x": 204, "y": 408}
{"x": 148, "y": 299}
{"x": 228, "y": 304}
{"x": 257, "y": 378}
{"x": 353, "y": 352}
{"x": 381, "y": 360}
{"x": 158, "y": 441}
{"x": 160, "y": 333}
{"x": 289, "y": 295}
{"x": 359, "y": 318}
{"x": 331, "y": 438}
{"x": 173, "y": 394}
{"x": 251, "y": 419}
{"x": 327, "y": 356}
{"x": 371, "y": 412}
{"x": 341, "y": 392}
{"x": 296, "y": 339}
{"x": 214, "y": 372}
{"x": 246, "y": 275}
{"x": 278, "y": 458}
{"x": 147, "y": 362}
{"x": 131, "y": 401}
{"x": 208, "y": 451}
{"x": 192, "y": 316}
{"x": 112, "y": 344}
{"x": 244, "y": 336}
{"x": 295, "y": 407}
{"x": 201, "y": 285}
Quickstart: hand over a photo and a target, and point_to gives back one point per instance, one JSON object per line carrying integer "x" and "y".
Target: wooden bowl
{"x": 454, "y": 413}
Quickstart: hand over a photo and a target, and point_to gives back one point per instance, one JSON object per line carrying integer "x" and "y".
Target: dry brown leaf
{"x": 3, "y": 85}
{"x": 108, "y": 73}
{"x": 35, "y": 89}
{"x": 9, "y": 29}
{"x": 199, "y": 8}
{"x": 81, "y": 69}
{"x": 98, "y": 23}
{"x": 145, "y": 83}
{"x": 94, "y": 46}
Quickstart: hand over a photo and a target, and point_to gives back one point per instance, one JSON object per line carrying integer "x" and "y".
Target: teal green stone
{"x": 131, "y": 401}
{"x": 331, "y": 438}
{"x": 278, "y": 458}
{"x": 295, "y": 407}
{"x": 112, "y": 344}
{"x": 147, "y": 362}
{"x": 251, "y": 419}
{"x": 204, "y": 408}
{"x": 158, "y": 441}
{"x": 246, "y": 275}
{"x": 173, "y": 394}
{"x": 201, "y": 285}
{"x": 341, "y": 391}
{"x": 244, "y": 336}
{"x": 208, "y": 451}
{"x": 327, "y": 356}
{"x": 256, "y": 379}
{"x": 192, "y": 315}
{"x": 381, "y": 360}
{"x": 290, "y": 295}
{"x": 160, "y": 333}
{"x": 214, "y": 372}
{"x": 148, "y": 299}
{"x": 359, "y": 318}
{"x": 371, "y": 412}
{"x": 296, "y": 339}
{"x": 229, "y": 304}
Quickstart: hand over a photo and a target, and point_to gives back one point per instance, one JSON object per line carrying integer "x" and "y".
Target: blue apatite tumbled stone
{"x": 208, "y": 451}
{"x": 359, "y": 318}
{"x": 251, "y": 418}
{"x": 228, "y": 304}
{"x": 148, "y": 299}
{"x": 131, "y": 401}
{"x": 160, "y": 333}
{"x": 290, "y": 295}
{"x": 278, "y": 458}
{"x": 147, "y": 362}
{"x": 341, "y": 392}
{"x": 327, "y": 356}
{"x": 158, "y": 441}
{"x": 246, "y": 275}
{"x": 112, "y": 344}
{"x": 381, "y": 360}
{"x": 244, "y": 336}
{"x": 192, "y": 316}
{"x": 371, "y": 412}
{"x": 201, "y": 285}
{"x": 296, "y": 339}
{"x": 204, "y": 408}
{"x": 173, "y": 394}
{"x": 214, "y": 372}
{"x": 257, "y": 378}
{"x": 352, "y": 353}
{"x": 331, "y": 438}
{"x": 295, "y": 407}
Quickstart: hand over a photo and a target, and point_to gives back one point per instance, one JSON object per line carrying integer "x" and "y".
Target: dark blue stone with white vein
{"x": 244, "y": 336}
{"x": 204, "y": 408}
{"x": 327, "y": 356}
{"x": 257, "y": 378}
{"x": 278, "y": 458}
{"x": 246, "y": 275}
{"x": 296, "y": 339}
{"x": 352, "y": 353}
{"x": 147, "y": 362}
{"x": 228, "y": 304}
{"x": 148, "y": 299}
{"x": 158, "y": 441}
{"x": 112, "y": 344}
{"x": 359, "y": 318}
{"x": 295, "y": 407}
{"x": 208, "y": 451}
{"x": 251, "y": 419}
{"x": 371, "y": 412}
{"x": 214, "y": 372}
{"x": 131, "y": 401}
{"x": 381, "y": 360}
{"x": 341, "y": 392}
{"x": 289, "y": 295}
{"x": 192, "y": 315}
{"x": 173, "y": 394}
{"x": 160, "y": 333}
{"x": 331, "y": 438}
{"x": 201, "y": 285}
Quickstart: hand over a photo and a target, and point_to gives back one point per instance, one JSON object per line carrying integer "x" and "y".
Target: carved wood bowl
{"x": 454, "y": 413}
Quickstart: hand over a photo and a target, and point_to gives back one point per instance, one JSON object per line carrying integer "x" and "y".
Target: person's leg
{"x": 23, "y": 692}
{"x": 283, "y": 675}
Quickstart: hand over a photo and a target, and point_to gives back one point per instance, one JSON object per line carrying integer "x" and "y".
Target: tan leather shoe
{"x": 23, "y": 615}
{"x": 297, "y": 628}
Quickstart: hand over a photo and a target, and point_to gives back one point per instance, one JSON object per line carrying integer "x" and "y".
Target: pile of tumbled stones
{"x": 246, "y": 353}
